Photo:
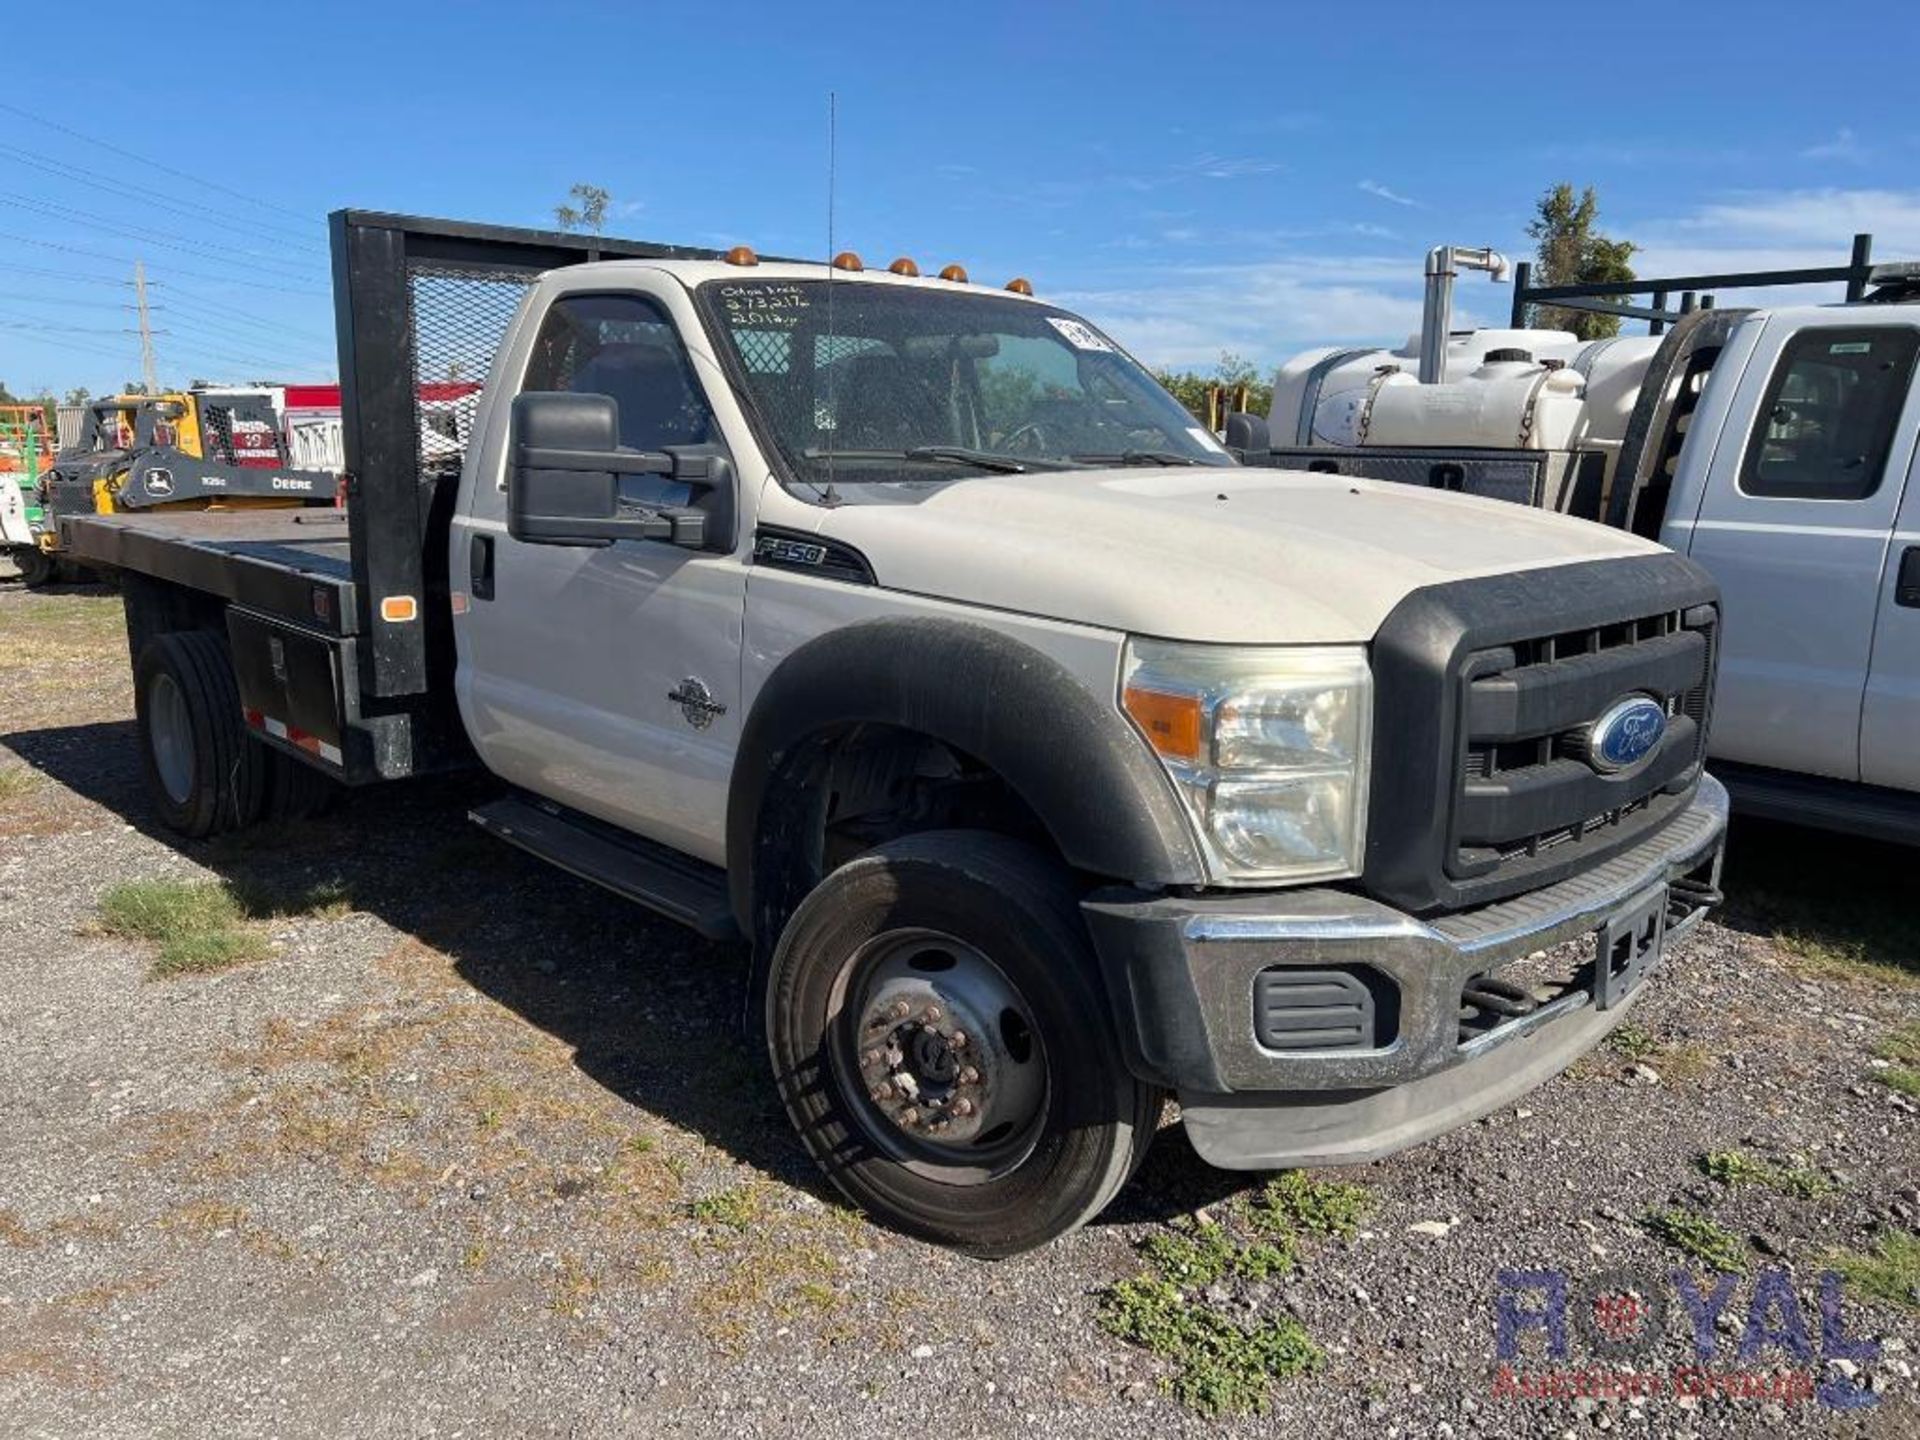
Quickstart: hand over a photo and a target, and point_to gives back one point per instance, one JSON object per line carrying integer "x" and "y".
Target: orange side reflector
{"x": 1171, "y": 723}
{"x": 398, "y": 609}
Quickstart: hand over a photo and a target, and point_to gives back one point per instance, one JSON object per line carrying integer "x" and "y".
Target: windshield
{"x": 885, "y": 382}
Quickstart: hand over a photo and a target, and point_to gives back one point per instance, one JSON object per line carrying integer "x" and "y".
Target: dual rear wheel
{"x": 205, "y": 771}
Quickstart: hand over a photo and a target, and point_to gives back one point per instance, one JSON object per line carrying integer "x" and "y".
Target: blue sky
{"x": 1192, "y": 187}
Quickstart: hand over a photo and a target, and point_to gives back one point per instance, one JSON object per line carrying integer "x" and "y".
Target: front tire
{"x": 206, "y": 774}
{"x": 941, "y": 1044}
{"x": 37, "y": 568}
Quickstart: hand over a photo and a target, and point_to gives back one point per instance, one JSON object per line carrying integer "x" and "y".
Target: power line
{"x": 171, "y": 269}
{"x": 166, "y": 239}
{"x": 63, "y": 274}
{"x": 211, "y": 312}
{"x": 150, "y": 163}
{"x": 159, "y": 199}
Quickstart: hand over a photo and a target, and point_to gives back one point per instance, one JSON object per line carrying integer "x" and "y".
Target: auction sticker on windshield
{"x": 1081, "y": 337}
{"x": 778, "y": 306}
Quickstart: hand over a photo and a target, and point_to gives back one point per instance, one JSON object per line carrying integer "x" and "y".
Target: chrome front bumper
{"x": 1181, "y": 974}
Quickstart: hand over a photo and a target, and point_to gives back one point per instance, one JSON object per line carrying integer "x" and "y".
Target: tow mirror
{"x": 564, "y": 484}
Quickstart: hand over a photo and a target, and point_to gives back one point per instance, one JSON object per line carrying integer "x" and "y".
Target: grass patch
{"x": 1205, "y": 1254}
{"x": 1899, "y": 1079}
{"x": 1706, "y": 1241}
{"x": 1294, "y": 1203}
{"x": 1735, "y": 1167}
{"x": 1222, "y": 1367}
{"x": 1901, "y": 1047}
{"x": 1890, "y": 1273}
{"x": 736, "y": 1208}
{"x": 1633, "y": 1042}
{"x": 1849, "y": 959}
{"x": 16, "y": 783}
{"x": 195, "y": 927}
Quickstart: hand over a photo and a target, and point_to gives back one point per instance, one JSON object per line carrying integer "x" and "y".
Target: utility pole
{"x": 146, "y": 328}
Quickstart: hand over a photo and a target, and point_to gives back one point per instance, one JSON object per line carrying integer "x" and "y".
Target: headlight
{"x": 1268, "y": 747}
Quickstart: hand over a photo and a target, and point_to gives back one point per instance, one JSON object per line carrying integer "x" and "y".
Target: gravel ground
{"x": 475, "y": 1150}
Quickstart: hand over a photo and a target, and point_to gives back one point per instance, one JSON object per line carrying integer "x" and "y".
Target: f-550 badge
{"x": 781, "y": 551}
{"x": 696, "y": 703}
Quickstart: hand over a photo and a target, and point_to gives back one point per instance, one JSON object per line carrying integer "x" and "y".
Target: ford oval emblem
{"x": 1625, "y": 734}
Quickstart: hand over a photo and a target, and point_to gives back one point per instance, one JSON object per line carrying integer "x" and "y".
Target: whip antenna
{"x": 833, "y": 406}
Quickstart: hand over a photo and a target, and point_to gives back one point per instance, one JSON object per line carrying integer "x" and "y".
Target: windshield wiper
{"x": 1139, "y": 457}
{"x": 947, "y": 454}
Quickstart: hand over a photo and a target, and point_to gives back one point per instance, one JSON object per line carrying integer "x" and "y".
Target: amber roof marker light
{"x": 741, "y": 255}
{"x": 904, "y": 266}
{"x": 956, "y": 273}
{"x": 1020, "y": 285}
{"x": 847, "y": 260}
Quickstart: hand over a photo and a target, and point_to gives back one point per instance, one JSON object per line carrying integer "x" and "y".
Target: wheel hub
{"x": 945, "y": 1051}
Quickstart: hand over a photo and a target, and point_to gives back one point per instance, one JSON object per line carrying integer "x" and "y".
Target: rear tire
{"x": 206, "y": 774}
{"x": 941, "y": 1043}
{"x": 298, "y": 791}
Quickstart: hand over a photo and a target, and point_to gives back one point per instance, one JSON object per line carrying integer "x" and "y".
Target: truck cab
{"x": 1797, "y": 490}
{"x": 1047, "y": 761}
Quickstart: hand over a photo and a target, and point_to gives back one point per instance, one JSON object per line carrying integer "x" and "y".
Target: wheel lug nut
{"x": 872, "y": 1057}
{"x": 931, "y": 1014}
{"x": 882, "y": 1092}
{"x": 909, "y": 1116}
{"x": 957, "y": 1040}
{"x": 900, "y": 1010}
{"x": 963, "y": 1107}
{"x": 969, "y": 1076}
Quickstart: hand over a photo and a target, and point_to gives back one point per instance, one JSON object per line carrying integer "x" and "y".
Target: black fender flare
{"x": 1074, "y": 761}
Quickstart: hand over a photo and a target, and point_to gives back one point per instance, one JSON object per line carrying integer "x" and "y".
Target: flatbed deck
{"x": 292, "y": 564}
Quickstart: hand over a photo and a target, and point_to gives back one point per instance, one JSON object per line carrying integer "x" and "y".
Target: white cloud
{"x": 1185, "y": 315}
{"x": 1843, "y": 146}
{"x": 1381, "y": 192}
{"x": 1220, "y": 167}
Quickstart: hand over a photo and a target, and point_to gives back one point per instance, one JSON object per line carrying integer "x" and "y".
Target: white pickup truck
{"x": 902, "y": 628}
{"x": 1779, "y": 447}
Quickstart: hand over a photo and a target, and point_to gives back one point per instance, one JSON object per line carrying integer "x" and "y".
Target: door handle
{"x": 480, "y": 567}
{"x": 1906, "y": 584}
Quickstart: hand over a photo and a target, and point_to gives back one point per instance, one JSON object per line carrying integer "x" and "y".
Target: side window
{"x": 624, "y": 346}
{"x": 1827, "y": 421}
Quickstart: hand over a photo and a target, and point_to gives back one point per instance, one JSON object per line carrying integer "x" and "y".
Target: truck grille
{"x": 1526, "y": 789}
{"x": 1486, "y": 692}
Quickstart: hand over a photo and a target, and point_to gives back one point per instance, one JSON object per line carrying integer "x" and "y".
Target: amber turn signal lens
{"x": 742, "y": 255}
{"x": 847, "y": 260}
{"x": 955, "y": 273}
{"x": 1171, "y": 723}
{"x": 1020, "y": 286}
{"x": 904, "y": 266}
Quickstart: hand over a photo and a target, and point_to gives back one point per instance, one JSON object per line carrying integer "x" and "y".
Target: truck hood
{"x": 1222, "y": 555}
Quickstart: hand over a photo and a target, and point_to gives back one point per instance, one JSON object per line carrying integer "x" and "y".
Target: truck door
{"x": 1890, "y": 719}
{"x": 1795, "y": 525}
{"x": 607, "y": 678}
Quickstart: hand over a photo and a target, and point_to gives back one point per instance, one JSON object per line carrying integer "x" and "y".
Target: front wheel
{"x": 37, "y": 568}
{"x": 942, "y": 1046}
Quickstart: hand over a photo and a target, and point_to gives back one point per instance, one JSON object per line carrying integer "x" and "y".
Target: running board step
{"x": 676, "y": 885}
